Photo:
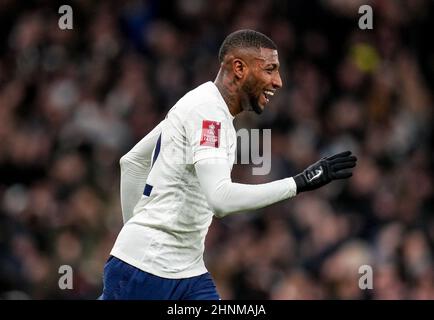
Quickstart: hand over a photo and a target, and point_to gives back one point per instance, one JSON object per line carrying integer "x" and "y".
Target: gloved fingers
{"x": 343, "y": 159}
{"x": 343, "y": 165}
{"x": 339, "y": 155}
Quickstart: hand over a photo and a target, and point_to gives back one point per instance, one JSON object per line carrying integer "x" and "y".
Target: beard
{"x": 254, "y": 103}
{"x": 250, "y": 102}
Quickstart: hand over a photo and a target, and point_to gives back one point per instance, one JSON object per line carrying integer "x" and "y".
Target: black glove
{"x": 325, "y": 170}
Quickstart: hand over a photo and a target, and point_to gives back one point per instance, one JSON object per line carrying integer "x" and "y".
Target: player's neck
{"x": 228, "y": 90}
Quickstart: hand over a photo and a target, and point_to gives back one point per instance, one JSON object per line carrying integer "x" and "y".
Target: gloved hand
{"x": 325, "y": 170}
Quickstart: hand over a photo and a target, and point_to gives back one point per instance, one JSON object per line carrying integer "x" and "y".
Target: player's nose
{"x": 277, "y": 81}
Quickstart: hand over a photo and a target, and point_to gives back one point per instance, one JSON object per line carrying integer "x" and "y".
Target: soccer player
{"x": 179, "y": 176}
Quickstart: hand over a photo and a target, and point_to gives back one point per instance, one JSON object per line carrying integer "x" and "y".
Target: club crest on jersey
{"x": 210, "y": 133}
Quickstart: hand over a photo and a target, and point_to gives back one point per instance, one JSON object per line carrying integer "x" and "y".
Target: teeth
{"x": 269, "y": 93}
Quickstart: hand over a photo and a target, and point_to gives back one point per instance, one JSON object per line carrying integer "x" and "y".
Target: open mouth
{"x": 268, "y": 94}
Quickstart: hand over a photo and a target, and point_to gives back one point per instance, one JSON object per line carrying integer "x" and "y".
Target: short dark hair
{"x": 245, "y": 39}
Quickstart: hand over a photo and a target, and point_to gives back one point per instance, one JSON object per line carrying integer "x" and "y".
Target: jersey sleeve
{"x": 208, "y": 131}
{"x": 135, "y": 167}
{"x": 226, "y": 197}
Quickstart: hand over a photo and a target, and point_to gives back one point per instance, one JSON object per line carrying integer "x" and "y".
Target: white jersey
{"x": 166, "y": 235}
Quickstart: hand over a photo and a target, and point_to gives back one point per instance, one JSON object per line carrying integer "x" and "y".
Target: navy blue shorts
{"x": 122, "y": 281}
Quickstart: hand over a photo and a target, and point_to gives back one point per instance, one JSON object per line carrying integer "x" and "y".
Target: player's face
{"x": 263, "y": 80}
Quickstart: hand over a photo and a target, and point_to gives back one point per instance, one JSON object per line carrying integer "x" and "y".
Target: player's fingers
{"x": 343, "y": 159}
{"x": 339, "y": 155}
{"x": 344, "y": 165}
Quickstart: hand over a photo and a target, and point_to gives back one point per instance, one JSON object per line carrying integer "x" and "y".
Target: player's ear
{"x": 239, "y": 68}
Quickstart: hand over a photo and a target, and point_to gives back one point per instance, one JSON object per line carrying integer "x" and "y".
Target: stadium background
{"x": 73, "y": 102}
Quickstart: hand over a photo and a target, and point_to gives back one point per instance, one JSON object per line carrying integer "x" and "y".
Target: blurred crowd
{"x": 72, "y": 102}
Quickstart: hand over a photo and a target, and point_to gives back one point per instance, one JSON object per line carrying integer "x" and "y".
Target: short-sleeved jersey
{"x": 166, "y": 235}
